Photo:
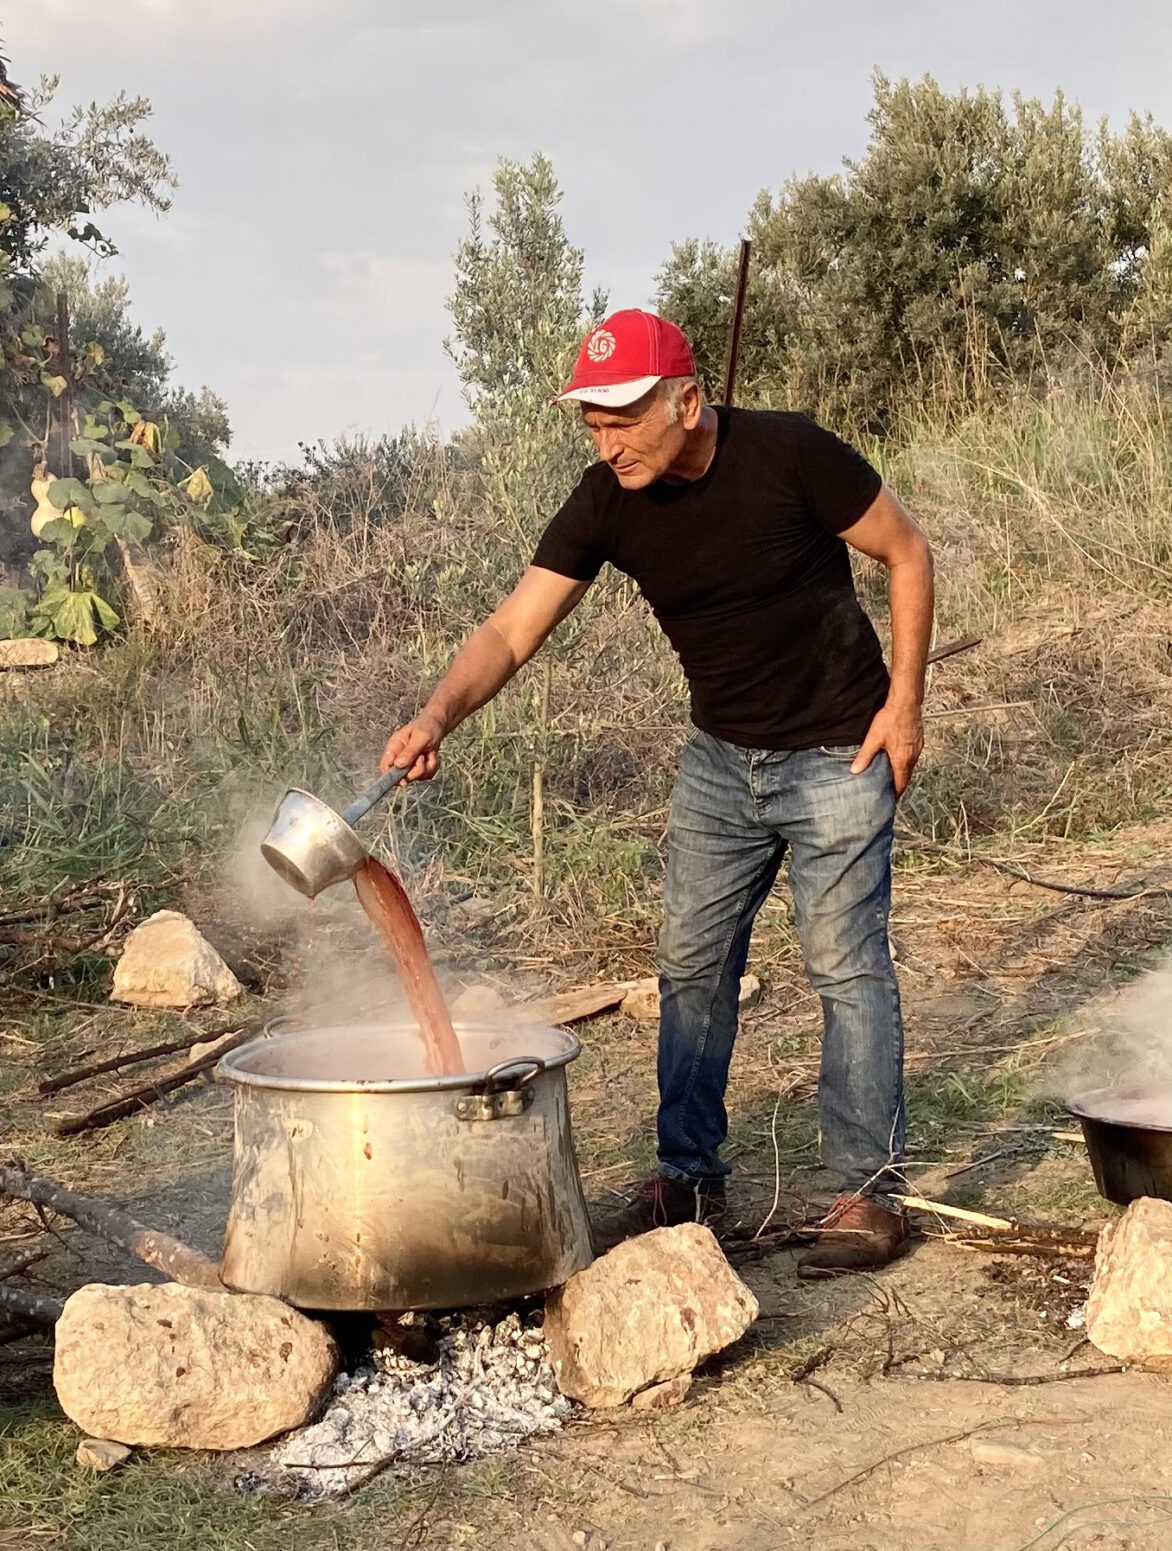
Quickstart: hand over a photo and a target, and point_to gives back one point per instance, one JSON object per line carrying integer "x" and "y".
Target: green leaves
{"x": 979, "y": 242}
{"x": 61, "y": 532}
{"x": 75, "y": 568}
{"x": 89, "y": 446}
{"x": 90, "y": 237}
{"x": 519, "y": 316}
{"x": 138, "y": 455}
{"x": 134, "y": 480}
{"x": 124, "y": 523}
{"x": 109, "y": 492}
{"x": 77, "y": 614}
{"x": 234, "y": 527}
{"x": 13, "y": 612}
{"x": 64, "y": 493}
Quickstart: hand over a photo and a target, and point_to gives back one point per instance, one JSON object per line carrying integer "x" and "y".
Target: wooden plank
{"x": 570, "y": 1006}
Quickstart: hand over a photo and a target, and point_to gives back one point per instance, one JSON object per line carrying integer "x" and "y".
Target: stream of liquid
{"x": 385, "y": 901}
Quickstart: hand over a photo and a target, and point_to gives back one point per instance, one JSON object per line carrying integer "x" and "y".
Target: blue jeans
{"x": 734, "y": 813}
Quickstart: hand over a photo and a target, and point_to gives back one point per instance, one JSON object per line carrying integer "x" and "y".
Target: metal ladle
{"x": 311, "y": 846}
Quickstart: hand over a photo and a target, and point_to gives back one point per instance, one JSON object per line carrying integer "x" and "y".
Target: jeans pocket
{"x": 844, "y": 752}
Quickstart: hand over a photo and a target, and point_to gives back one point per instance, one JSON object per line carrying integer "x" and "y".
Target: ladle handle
{"x": 361, "y": 806}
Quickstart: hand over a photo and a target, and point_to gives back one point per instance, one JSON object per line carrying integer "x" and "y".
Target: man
{"x": 735, "y": 524}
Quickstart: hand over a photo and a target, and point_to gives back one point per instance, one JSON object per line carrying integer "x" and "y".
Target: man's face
{"x": 640, "y": 442}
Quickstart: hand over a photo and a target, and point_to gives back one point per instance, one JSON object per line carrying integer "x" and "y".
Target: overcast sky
{"x": 324, "y": 149}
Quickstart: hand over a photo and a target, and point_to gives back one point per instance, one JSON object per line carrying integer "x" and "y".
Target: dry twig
{"x": 68, "y": 945}
{"x": 139, "y": 1098}
{"x": 811, "y": 1364}
{"x": 1014, "y": 1380}
{"x": 1004, "y": 1236}
{"x": 20, "y": 1265}
{"x": 942, "y": 1209}
{"x": 78, "y": 1074}
{"x": 1014, "y": 870}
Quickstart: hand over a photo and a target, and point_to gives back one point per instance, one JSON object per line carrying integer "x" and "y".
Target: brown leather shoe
{"x": 857, "y": 1234}
{"x": 660, "y": 1202}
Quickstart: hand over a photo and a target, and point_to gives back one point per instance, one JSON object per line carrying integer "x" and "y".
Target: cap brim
{"x": 610, "y": 395}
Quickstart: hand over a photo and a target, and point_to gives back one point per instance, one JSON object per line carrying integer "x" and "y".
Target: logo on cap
{"x": 601, "y": 345}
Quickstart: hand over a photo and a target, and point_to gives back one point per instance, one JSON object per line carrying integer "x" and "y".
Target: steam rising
{"x": 1127, "y": 1040}
{"x": 340, "y": 973}
{"x": 254, "y": 887}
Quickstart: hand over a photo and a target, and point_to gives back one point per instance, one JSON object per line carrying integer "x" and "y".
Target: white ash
{"x": 491, "y": 1387}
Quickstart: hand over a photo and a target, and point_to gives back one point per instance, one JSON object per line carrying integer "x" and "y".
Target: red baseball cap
{"x": 625, "y": 356}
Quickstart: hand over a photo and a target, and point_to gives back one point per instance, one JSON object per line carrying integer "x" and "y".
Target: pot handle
{"x": 506, "y": 1091}
{"x": 501, "y": 1076}
{"x": 361, "y": 806}
{"x": 284, "y": 1024}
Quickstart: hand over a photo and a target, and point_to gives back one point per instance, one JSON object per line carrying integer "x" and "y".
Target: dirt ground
{"x": 907, "y": 1465}
{"x": 935, "y": 1407}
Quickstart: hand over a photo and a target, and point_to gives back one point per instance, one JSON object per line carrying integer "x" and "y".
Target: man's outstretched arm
{"x": 483, "y": 666}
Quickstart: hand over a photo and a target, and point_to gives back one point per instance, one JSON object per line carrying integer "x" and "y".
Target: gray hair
{"x": 671, "y": 391}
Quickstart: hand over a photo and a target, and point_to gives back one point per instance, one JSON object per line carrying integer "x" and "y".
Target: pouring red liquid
{"x": 387, "y": 907}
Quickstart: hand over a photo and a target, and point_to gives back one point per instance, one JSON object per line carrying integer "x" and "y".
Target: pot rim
{"x": 1080, "y": 1107}
{"x": 229, "y": 1068}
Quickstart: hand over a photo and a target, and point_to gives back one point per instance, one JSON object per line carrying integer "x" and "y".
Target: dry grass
{"x": 1049, "y": 518}
{"x": 1050, "y": 521}
{"x": 140, "y": 763}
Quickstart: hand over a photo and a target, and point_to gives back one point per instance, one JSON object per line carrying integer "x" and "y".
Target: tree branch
{"x": 139, "y": 1098}
{"x": 30, "y": 1308}
{"x": 170, "y": 1255}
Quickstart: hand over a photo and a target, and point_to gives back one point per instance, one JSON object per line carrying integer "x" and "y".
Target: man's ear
{"x": 691, "y": 406}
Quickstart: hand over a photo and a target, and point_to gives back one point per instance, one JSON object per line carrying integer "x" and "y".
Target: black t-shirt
{"x": 746, "y": 573}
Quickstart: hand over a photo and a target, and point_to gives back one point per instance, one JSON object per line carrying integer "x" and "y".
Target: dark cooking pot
{"x": 1128, "y": 1132}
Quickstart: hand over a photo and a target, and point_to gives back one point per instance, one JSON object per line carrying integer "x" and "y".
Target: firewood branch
{"x": 148, "y": 1093}
{"x": 1003, "y": 1235}
{"x": 76, "y": 1074}
{"x": 175, "y": 1259}
{"x": 29, "y": 1308}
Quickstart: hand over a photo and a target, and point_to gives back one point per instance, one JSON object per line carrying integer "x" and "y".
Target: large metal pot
{"x": 410, "y": 1192}
{"x": 1129, "y": 1140}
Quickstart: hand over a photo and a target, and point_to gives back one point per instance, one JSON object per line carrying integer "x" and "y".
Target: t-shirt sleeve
{"x": 836, "y": 480}
{"x": 572, "y": 545}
